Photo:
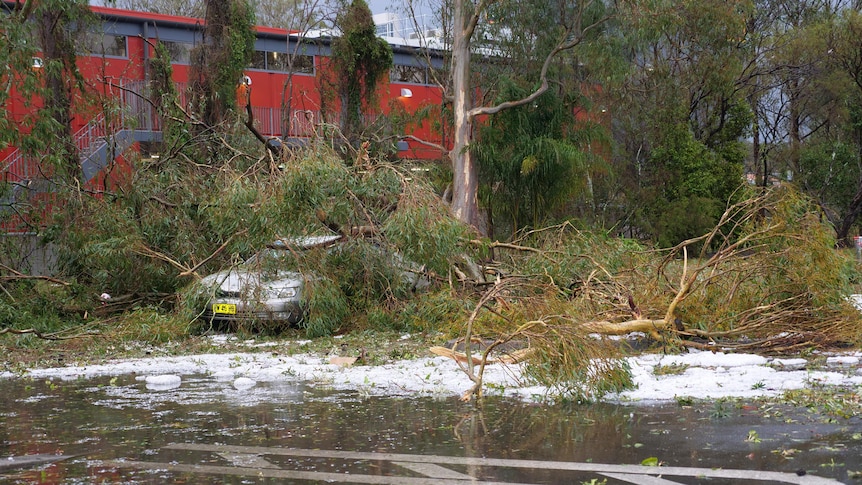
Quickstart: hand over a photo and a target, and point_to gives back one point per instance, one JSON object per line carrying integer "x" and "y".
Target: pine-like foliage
{"x": 534, "y": 159}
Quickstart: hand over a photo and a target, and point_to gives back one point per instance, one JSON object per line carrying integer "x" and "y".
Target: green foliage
{"x": 328, "y": 308}
{"x": 674, "y": 369}
{"x": 693, "y": 184}
{"x": 806, "y": 242}
{"x": 533, "y": 159}
{"x": 422, "y": 230}
{"x": 42, "y": 305}
{"x": 174, "y": 214}
{"x": 569, "y": 257}
{"x": 683, "y": 218}
{"x": 192, "y": 299}
{"x": 219, "y": 63}
{"x": 429, "y": 311}
{"x": 788, "y": 287}
{"x": 833, "y": 403}
{"x": 166, "y": 98}
{"x": 827, "y": 162}
{"x": 681, "y": 114}
{"x": 16, "y": 52}
{"x": 151, "y": 325}
{"x": 360, "y": 60}
{"x": 524, "y": 33}
{"x": 380, "y": 319}
{"x": 578, "y": 368}
{"x": 562, "y": 355}
{"x": 366, "y": 273}
{"x": 829, "y": 172}
{"x": 55, "y": 92}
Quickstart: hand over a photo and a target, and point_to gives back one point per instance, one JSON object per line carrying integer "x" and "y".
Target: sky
{"x": 694, "y": 374}
{"x": 380, "y": 6}
{"x": 425, "y": 9}
{"x": 400, "y": 6}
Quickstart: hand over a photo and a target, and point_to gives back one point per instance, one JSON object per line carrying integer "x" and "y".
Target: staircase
{"x": 101, "y": 141}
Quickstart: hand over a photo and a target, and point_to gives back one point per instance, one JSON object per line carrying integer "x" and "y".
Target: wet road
{"x": 120, "y": 430}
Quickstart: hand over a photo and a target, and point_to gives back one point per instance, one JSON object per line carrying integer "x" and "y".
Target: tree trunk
{"x": 58, "y": 99}
{"x": 794, "y": 130}
{"x": 850, "y": 217}
{"x": 465, "y": 182}
{"x": 759, "y": 178}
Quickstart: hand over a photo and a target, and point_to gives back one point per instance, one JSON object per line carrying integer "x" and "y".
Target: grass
{"x": 827, "y": 401}
{"x": 670, "y": 369}
{"x": 146, "y": 333}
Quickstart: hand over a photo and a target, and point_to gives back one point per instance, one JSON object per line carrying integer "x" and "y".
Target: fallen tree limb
{"x": 512, "y": 357}
{"x": 476, "y": 371}
{"x": 498, "y": 244}
{"x": 46, "y": 336}
{"x": 645, "y": 325}
{"x": 143, "y": 250}
{"x": 17, "y": 275}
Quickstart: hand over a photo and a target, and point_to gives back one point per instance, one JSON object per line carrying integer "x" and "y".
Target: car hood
{"x": 238, "y": 280}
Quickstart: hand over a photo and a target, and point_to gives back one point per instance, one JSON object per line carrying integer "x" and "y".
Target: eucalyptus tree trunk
{"x": 465, "y": 182}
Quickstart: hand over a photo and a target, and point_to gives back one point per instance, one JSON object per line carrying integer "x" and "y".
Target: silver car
{"x": 258, "y": 290}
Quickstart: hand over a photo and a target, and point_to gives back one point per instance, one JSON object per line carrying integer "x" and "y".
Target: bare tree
{"x": 297, "y": 15}
{"x": 273, "y": 13}
{"x": 187, "y": 8}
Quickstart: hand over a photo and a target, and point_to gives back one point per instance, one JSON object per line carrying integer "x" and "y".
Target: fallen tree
{"x": 766, "y": 279}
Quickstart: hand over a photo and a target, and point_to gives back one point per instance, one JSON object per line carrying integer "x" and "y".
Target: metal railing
{"x": 135, "y": 112}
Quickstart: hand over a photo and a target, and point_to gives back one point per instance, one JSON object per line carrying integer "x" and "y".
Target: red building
{"x": 286, "y": 104}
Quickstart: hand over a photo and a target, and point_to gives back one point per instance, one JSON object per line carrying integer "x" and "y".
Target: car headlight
{"x": 288, "y": 292}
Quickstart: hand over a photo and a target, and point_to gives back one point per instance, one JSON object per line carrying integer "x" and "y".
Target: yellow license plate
{"x": 228, "y": 308}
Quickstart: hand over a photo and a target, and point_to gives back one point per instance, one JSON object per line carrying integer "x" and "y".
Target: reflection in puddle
{"x": 102, "y": 419}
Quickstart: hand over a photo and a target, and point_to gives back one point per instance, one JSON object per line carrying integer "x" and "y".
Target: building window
{"x": 281, "y": 62}
{"x": 408, "y": 74}
{"x": 180, "y": 52}
{"x": 110, "y": 45}
{"x": 276, "y": 61}
{"x": 258, "y": 60}
{"x": 386, "y": 30}
{"x": 303, "y": 64}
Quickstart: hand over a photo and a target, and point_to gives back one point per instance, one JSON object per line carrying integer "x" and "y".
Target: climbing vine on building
{"x": 218, "y": 63}
{"x": 361, "y": 61}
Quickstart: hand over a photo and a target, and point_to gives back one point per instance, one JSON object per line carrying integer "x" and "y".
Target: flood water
{"x": 100, "y": 420}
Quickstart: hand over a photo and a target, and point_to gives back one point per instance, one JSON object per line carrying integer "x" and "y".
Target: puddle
{"x": 98, "y": 420}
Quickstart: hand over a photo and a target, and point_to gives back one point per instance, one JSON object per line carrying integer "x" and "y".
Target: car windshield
{"x": 268, "y": 258}
{"x": 281, "y": 254}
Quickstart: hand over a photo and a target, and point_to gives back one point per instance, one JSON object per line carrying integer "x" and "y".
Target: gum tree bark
{"x": 465, "y": 183}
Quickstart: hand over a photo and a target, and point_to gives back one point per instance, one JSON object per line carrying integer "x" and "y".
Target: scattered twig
{"x": 143, "y": 250}
{"x": 193, "y": 270}
{"x": 498, "y": 244}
